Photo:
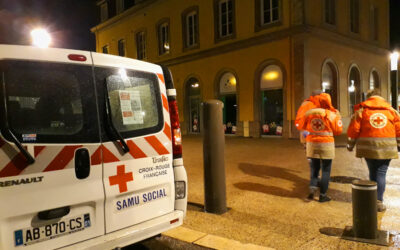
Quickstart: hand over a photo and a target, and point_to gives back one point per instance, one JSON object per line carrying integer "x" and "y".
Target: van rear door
{"x": 137, "y": 149}
{"x": 48, "y": 107}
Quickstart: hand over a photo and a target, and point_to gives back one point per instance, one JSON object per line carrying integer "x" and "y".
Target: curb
{"x": 208, "y": 240}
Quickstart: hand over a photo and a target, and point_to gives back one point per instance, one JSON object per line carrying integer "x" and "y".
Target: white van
{"x": 90, "y": 150}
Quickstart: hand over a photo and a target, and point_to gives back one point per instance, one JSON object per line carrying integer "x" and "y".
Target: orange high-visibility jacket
{"x": 322, "y": 124}
{"x": 304, "y": 107}
{"x": 375, "y": 129}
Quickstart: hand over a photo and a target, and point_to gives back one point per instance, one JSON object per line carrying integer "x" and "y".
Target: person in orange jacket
{"x": 304, "y": 107}
{"x": 322, "y": 123}
{"x": 375, "y": 131}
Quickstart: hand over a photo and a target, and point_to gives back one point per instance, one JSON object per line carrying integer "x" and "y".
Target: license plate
{"x": 33, "y": 235}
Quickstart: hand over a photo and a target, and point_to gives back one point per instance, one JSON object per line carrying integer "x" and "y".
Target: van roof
{"x": 22, "y": 52}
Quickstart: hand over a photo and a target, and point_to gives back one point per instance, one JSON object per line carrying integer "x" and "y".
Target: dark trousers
{"x": 377, "y": 172}
{"x": 315, "y": 166}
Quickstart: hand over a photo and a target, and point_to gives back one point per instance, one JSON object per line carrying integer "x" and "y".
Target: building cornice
{"x": 348, "y": 41}
{"x": 130, "y": 12}
{"x": 279, "y": 35}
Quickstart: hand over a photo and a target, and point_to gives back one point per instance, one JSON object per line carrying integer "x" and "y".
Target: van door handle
{"x": 54, "y": 213}
{"x": 82, "y": 163}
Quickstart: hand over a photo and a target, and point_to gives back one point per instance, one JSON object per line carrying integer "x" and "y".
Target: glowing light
{"x": 352, "y": 88}
{"x": 394, "y": 58}
{"x": 232, "y": 81}
{"x": 271, "y": 75}
{"x": 122, "y": 73}
{"x": 166, "y": 46}
{"x": 195, "y": 85}
{"x": 40, "y": 38}
{"x": 325, "y": 86}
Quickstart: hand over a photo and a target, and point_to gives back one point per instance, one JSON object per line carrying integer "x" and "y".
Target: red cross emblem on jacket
{"x": 121, "y": 179}
{"x": 378, "y": 120}
{"x": 317, "y": 124}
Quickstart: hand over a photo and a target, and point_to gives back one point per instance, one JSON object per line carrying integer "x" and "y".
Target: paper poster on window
{"x": 131, "y": 107}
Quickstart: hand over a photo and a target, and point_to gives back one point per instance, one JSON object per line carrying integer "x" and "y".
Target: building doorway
{"x": 227, "y": 94}
{"x": 271, "y": 86}
{"x": 193, "y": 100}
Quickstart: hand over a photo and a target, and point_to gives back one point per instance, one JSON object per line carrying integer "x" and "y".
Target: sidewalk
{"x": 267, "y": 181}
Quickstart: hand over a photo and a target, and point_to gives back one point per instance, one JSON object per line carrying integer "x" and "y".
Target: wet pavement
{"x": 267, "y": 182}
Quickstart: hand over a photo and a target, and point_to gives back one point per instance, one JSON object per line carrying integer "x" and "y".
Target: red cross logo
{"x": 317, "y": 124}
{"x": 121, "y": 179}
{"x": 378, "y": 120}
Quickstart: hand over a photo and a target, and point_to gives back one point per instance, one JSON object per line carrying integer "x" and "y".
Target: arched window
{"x": 354, "y": 88}
{"x": 227, "y": 94}
{"x": 193, "y": 100}
{"x": 271, "y": 86}
{"x": 329, "y": 82}
{"x": 374, "y": 82}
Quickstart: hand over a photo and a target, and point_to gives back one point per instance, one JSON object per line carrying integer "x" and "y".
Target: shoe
{"x": 324, "y": 198}
{"x": 380, "y": 206}
{"x": 311, "y": 194}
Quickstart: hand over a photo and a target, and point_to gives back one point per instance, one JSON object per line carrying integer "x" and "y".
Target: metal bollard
{"x": 213, "y": 153}
{"x": 365, "y": 222}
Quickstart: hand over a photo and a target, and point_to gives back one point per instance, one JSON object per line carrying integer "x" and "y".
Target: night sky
{"x": 395, "y": 24}
{"x": 69, "y": 22}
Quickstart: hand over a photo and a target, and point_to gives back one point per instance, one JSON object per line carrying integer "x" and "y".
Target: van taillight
{"x": 175, "y": 129}
{"x": 76, "y": 57}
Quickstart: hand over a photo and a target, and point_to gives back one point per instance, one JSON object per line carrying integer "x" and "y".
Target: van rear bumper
{"x": 131, "y": 235}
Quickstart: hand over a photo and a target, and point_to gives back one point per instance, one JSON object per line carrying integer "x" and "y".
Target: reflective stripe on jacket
{"x": 375, "y": 129}
{"x": 322, "y": 125}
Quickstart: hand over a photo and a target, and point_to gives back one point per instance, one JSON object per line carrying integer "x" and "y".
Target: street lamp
{"x": 40, "y": 38}
{"x": 394, "y": 58}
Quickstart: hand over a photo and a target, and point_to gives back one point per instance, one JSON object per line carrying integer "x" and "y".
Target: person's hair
{"x": 316, "y": 92}
{"x": 372, "y": 92}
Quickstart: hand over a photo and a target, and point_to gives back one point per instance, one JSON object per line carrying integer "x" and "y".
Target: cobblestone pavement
{"x": 267, "y": 182}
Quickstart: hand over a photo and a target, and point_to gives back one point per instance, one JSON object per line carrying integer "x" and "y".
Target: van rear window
{"x": 44, "y": 101}
{"x": 132, "y": 102}
{"x": 135, "y": 100}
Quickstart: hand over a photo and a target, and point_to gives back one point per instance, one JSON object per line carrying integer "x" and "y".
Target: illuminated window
{"x": 193, "y": 104}
{"x": 354, "y": 88}
{"x": 329, "y": 82}
{"x": 374, "y": 82}
{"x": 163, "y": 36}
{"x": 271, "y": 85}
{"x": 141, "y": 45}
{"x": 227, "y": 94}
